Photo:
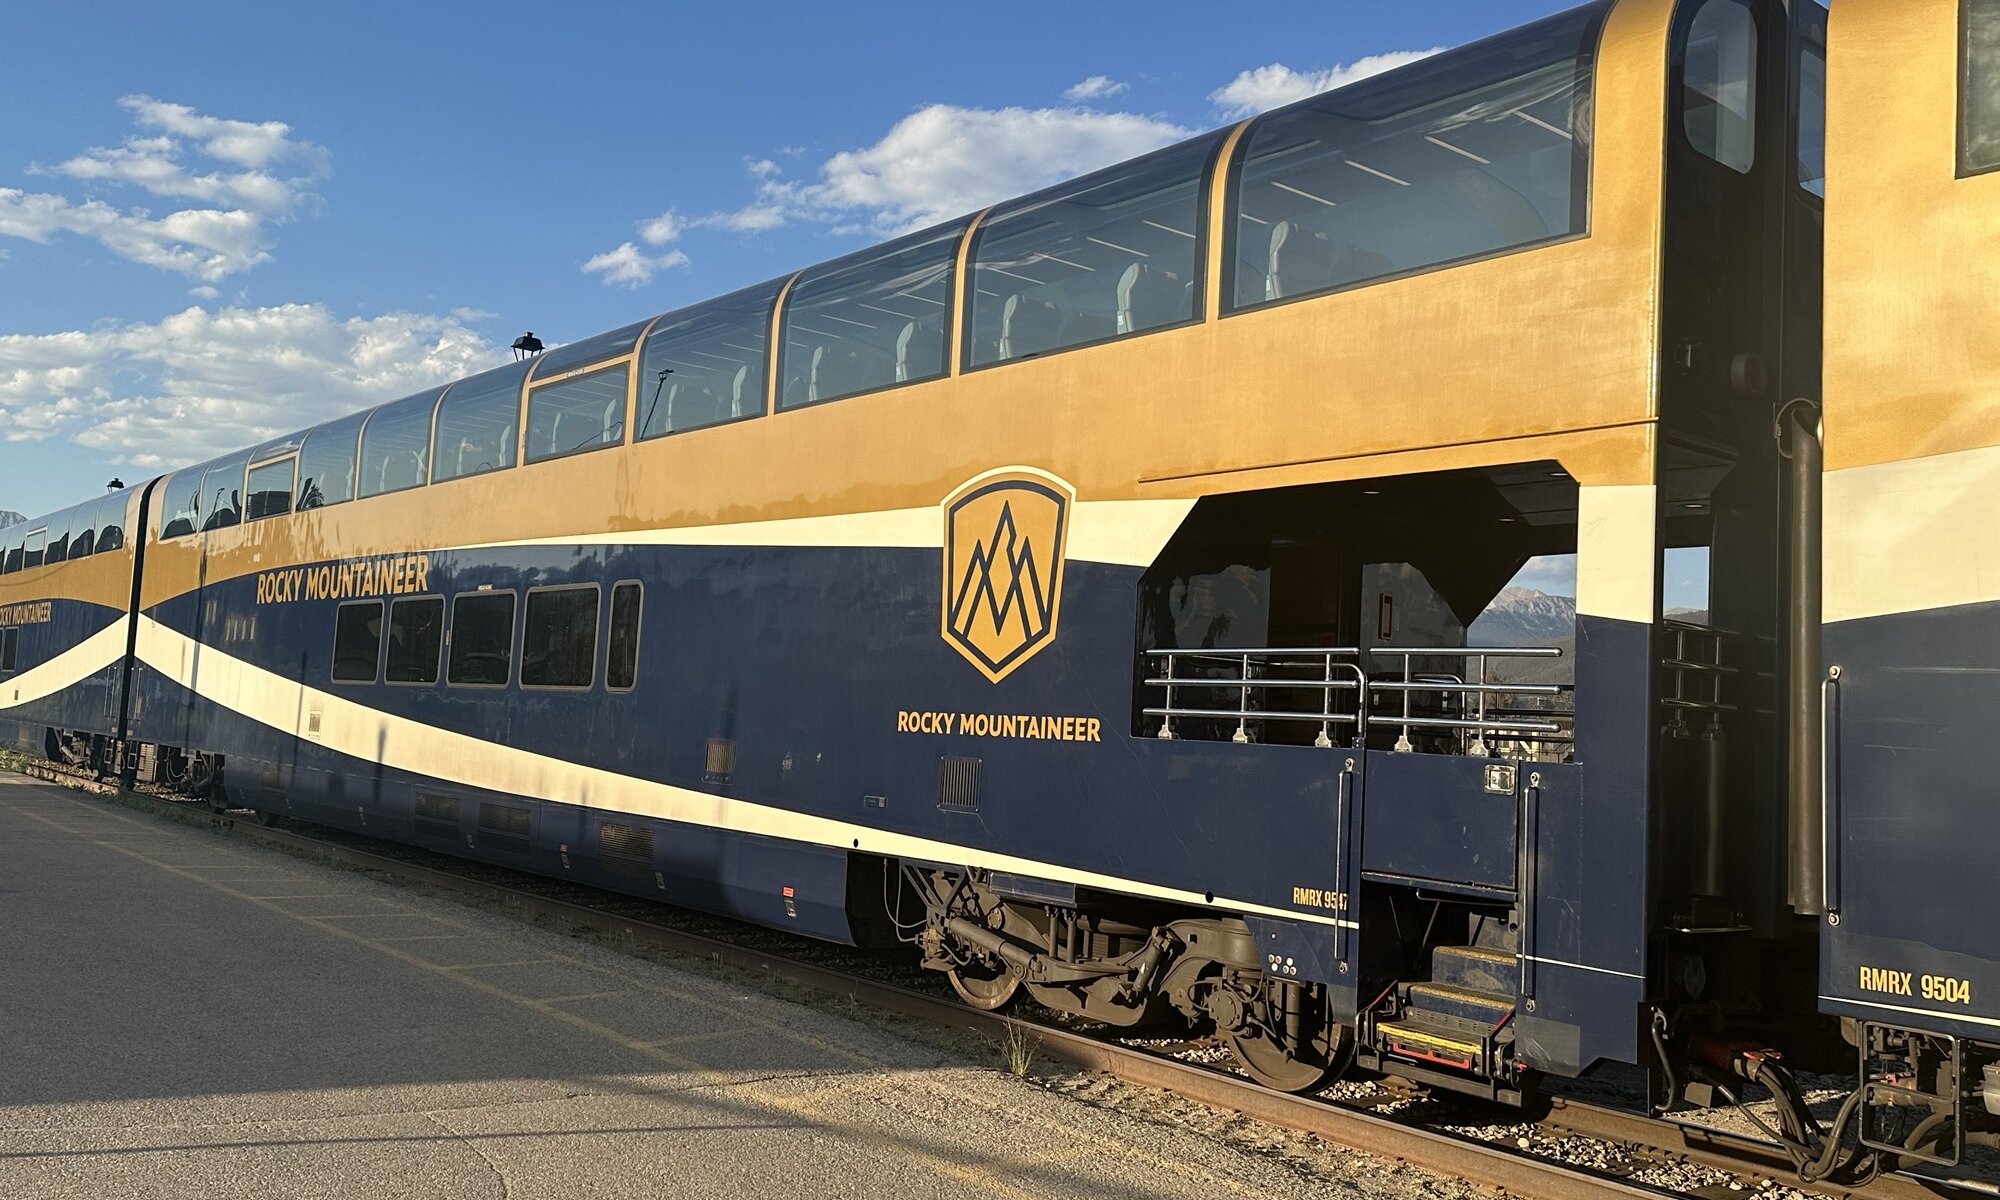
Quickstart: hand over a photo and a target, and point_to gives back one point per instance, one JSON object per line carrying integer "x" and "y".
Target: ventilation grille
{"x": 626, "y": 853}
{"x": 504, "y": 827}
{"x": 720, "y": 762}
{"x": 958, "y": 784}
{"x": 436, "y": 816}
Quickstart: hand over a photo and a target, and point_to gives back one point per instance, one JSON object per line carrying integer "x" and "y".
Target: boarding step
{"x": 1446, "y": 1041}
{"x": 1485, "y": 1009}
{"x": 1478, "y": 968}
{"x": 1494, "y": 931}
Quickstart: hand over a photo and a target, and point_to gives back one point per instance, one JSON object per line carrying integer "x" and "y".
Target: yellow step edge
{"x": 1431, "y": 1041}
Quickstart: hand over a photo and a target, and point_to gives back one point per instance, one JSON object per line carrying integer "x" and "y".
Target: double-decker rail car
{"x": 1098, "y": 592}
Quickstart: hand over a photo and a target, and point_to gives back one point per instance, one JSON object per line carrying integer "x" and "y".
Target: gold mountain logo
{"x": 1005, "y": 535}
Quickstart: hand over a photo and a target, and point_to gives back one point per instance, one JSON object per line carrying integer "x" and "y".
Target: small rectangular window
{"x": 622, "y": 656}
{"x": 10, "y": 645}
{"x": 559, "y": 638}
{"x": 585, "y": 412}
{"x": 271, "y": 489}
{"x": 1979, "y": 83}
{"x": 1719, "y": 84}
{"x": 482, "y": 639}
{"x": 416, "y": 638}
{"x": 357, "y": 641}
{"x": 31, "y": 552}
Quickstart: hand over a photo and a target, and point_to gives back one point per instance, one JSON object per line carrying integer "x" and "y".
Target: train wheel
{"x": 1295, "y": 1055}
{"x": 1285, "y": 1068}
{"x": 984, "y": 987}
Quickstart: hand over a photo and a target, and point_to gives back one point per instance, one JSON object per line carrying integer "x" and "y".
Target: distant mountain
{"x": 10, "y": 518}
{"x": 1524, "y": 617}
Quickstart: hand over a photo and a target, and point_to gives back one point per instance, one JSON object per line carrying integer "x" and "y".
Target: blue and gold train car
{"x": 1100, "y": 592}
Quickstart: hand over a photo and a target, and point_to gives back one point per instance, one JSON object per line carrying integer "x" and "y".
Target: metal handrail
{"x": 1341, "y": 670}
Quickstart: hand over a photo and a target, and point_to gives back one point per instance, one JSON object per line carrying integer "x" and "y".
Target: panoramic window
{"x": 222, "y": 493}
{"x": 32, "y": 547}
{"x": 559, "y": 638}
{"x": 482, "y": 639}
{"x": 478, "y": 422}
{"x": 581, "y": 413}
{"x": 621, "y": 668}
{"x": 83, "y": 530}
{"x": 590, "y": 352}
{"x": 416, "y": 637}
{"x": 271, "y": 489}
{"x": 870, "y": 320}
{"x": 326, "y": 464}
{"x": 180, "y": 504}
{"x": 1113, "y": 253}
{"x": 396, "y": 445}
{"x": 56, "y": 548}
{"x": 1979, "y": 83}
{"x": 10, "y": 549}
{"x": 1465, "y": 154}
{"x": 1719, "y": 84}
{"x": 111, "y": 523}
{"x": 357, "y": 641}
{"x": 714, "y": 361}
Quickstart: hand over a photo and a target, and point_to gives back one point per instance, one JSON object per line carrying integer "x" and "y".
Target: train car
{"x": 1089, "y": 591}
{"x": 1903, "y": 871}
{"x": 66, "y": 584}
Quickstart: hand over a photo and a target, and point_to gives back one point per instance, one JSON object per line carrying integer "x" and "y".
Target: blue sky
{"x": 219, "y": 222}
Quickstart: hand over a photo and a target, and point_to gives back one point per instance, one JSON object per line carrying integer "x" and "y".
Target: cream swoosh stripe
{"x": 79, "y": 662}
{"x": 1120, "y": 532}
{"x": 1969, "y": 1018}
{"x": 374, "y": 736}
{"x": 1912, "y": 535}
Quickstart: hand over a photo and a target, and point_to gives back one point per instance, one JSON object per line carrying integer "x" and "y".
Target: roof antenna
{"x": 527, "y": 346}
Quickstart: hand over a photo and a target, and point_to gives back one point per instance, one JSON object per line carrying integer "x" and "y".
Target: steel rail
{"x": 1479, "y": 1163}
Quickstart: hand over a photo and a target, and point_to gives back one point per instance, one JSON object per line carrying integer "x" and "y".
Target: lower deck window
{"x": 559, "y": 638}
{"x": 416, "y": 636}
{"x": 10, "y": 646}
{"x": 621, "y": 667}
{"x": 482, "y": 639}
{"x": 1979, "y": 137}
{"x": 357, "y": 641}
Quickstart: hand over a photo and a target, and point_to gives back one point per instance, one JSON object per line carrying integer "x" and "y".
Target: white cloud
{"x": 944, "y": 160}
{"x": 661, "y": 229}
{"x": 1263, "y": 88}
{"x": 200, "y": 383}
{"x": 1097, "y": 87}
{"x": 229, "y": 230}
{"x": 763, "y": 168}
{"x": 630, "y": 267}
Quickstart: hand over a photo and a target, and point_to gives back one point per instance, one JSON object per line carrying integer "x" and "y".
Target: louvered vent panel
{"x": 437, "y": 816}
{"x": 958, "y": 784}
{"x": 626, "y": 852}
{"x": 504, "y": 827}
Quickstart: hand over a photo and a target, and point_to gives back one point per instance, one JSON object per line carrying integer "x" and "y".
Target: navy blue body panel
{"x": 1913, "y": 815}
{"x": 1436, "y": 822}
{"x": 89, "y": 705}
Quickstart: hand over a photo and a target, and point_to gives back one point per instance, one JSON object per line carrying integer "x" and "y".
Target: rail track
{"x": 1751, "y": 1164}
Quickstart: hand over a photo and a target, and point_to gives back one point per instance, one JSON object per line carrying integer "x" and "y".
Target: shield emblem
{"x": 1005, "y": 535}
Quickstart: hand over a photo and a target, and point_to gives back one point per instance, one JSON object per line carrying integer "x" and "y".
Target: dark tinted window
{"x": 1465, "y": 154}
{"x": 222, "y": 493}
{"x": 271, "y": 489}
{"x": 396, "y": 445}
{"x": 621, "y": 669}
{"x": 1980, "y": 83}
{"x": 357, "y": 641}
{"x": 1719, "y": 84}
{"x": 482, "y": 638}
{"x": 478, "y": 423}
{"x": 57, "y": 544}
{"x": 714, "y": 356}
{"x": 10, "y": 549}
{"x": 326, "y": 465}
{"x": 1812, "y": 98}
{"x": 111, "y": 522}
{"x": 559, "y": 638}
{"x": 1113, "y": 253}
{"x": 32, "y": 548}
{"x": 580, "y": 413}
{"x": 83, "y": 530}
{"x": 10, "y": 647}
{"x": 868, "y": 321}
{"x": 416, "y": 636}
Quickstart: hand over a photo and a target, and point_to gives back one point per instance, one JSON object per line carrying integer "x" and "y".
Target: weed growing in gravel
{"x": 1017, "y": 1050}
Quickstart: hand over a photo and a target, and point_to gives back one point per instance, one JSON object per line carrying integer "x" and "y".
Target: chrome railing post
{"x": 1403, "y": 744}
{"x": 1479, "y": 730}
{"x": 1243, "y": 705}
{"x": 1167, "y": 721}
{"x": 1325, "y": 739}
